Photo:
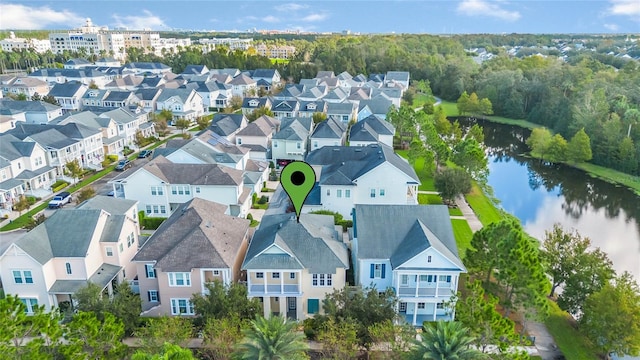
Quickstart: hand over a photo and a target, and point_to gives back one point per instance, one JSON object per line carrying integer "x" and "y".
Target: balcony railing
{"x": 424, "y": 292}
{"x": 274, "y": 289}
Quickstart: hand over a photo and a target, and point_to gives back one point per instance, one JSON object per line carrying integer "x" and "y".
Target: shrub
{"x": 111, "y": 158}
{"x": 254, "y": 198}
{"x": 346, "y": 224}
{"x": 337, "y": 217}
{"x": 32, "y": 200}
{"x": 152, "y": 223}
{"x": 311, "y": 327}
{"x": 249, "y": 217}
{"x": 59, "y": 183}
{"x": 263, "y": 200}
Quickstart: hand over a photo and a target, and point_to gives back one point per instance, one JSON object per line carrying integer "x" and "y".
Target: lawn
{"x": 451, "y": 109}
{"x": 429, "y": 199}
{"x": 572, "y": 344}
{"x": 463, "y": 234}
{"x": 482, "y": 206}
{"x": 611, "y": 175}
{"x": 455, "y": 212}
{"x": 426, "y": 183}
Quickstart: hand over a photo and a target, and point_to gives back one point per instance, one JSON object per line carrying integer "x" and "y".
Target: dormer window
{"x": 311, "y": 106}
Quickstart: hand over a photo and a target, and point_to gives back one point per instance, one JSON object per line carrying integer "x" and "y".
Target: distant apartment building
{"x": 276, "y": 52}
{"x": 232, "y": 43}
{"x": 89, "y": 37}
{"x": 13, "y": 42}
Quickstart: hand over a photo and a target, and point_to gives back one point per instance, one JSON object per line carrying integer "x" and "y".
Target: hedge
{"x": 55, "y": 189}
{"x": 149, "y": 223}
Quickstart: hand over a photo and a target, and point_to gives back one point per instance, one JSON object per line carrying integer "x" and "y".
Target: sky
{"x": 358, "y": 16}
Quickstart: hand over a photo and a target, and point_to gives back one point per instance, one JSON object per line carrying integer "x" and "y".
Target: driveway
{"x": 101, "y": 185}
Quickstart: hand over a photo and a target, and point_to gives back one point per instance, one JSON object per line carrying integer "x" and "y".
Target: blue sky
{"x": 437, "y": 17}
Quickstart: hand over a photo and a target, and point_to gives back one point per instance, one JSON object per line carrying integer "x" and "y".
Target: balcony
{"x": 274, "y": 289}
{"x": 424, "y": 292}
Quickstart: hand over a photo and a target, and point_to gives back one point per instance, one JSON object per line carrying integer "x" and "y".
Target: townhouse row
{"x": 290, "y": 266}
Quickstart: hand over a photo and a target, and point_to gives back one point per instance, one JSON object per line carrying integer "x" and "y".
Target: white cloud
{"x": 487, "y": 8}
{"x": 270, "y": 19}
{"x": 15, "y": 16}
{"x": 612, "y": 27}
{"x": 291, "y": 7}
{"x": 315, "y": 17}
{"x": 624, "y": 7}
{"x": 133, "y": 22}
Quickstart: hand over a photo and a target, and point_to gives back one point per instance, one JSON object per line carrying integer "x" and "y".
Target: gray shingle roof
{"x": 182, "y": 94}
{"x": 27, "y": 106}
{"x": 226, "y": 124}
{"x": 193, "y": 174}
{"x": 262, "y": 126}
{"x": 313, "y": 244}
{"x": 370, "y": 128}
{"x": 11, "y": 147}
{"x": 114, "y": 206}
{"x": 400, "y": 232}
{"x": 55, "y": 238}
{"x": 292, "y": 130}
{"x": 198, "y": 235}
{"x": 329, "y": 129}
{"x": 343, "y": 164}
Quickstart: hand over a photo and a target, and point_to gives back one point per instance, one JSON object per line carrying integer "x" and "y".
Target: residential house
{"x": 183, "y": 103}
{"x": 412, "y": 249}
{"x": 149, "y": 99}
{"x": 308, "y": 108}
{"x": 393, "y": 94}
{"x": 285, "y": 108}
{"x": 322, "y": 74}
{"x": 202, "y": 150}
{"x": 69, "y": 95}
{"x": 242, "y": 85}
{"x": 129, "y": 123}
{"x": 331, "y": 132}
{"x": 26, "y": 86}
{"x": 225, "y": 93}
{"x": 34, "y": 112}
{"x": 108, "y": 61}
{"x": 23, "y": 170}
{"x": 360, "y": 175}
{"x": 8, "y": 122}
{"x": 249, "y": 105}
{"x": 127, "y": 82}
{"x": 77, "y": 63}
{"x": 371, "y": 130}
{"x": 196, "y": 245}
{"x": 192, "y": 71}
{"x": 50, "y": 263}
{"x": 345, "y": 111}
{"x": 228, "y": 125}
{"x": 291, "y": 142}
{"x": 121, "y": 98}
{"x": 145, "y": 68}
{"x": 336, "y": 95}
{"x": 290, "y": 92}
{"x": 397, "y": 77}
{"x": 378, "y": 106}
{"x": 209, "y": 91}
{"x": 85, "y": 76}
{"x": 93, "y": 98}
{"x": 160, "y": 186}
{"x": 112, "y": 143}
{"x": 270, "y": 78}
{"x": 291, "y": 266}
{"x": 257, "y": 135}
{"x": 313, "y": 93}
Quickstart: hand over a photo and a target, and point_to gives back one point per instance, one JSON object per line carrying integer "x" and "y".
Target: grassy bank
{"x": 573, "y": 345}
{"x": 463, "y": 234}
{"x": 451, "y": 109}
{"x": 611, "y": 176}
{"x": 486, "y": 211}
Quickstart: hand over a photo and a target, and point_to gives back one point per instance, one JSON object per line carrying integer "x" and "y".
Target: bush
{"x": 55, "y": 188}
{"x": 346, "y": 224}
{"x": 337, "y": 217}
{"x": 249, "y": 217}
{"x": 111, "y": 159}
{"x": 32, "y": 200}
{"x": 263, "y": 200}
{"x": 59, "y": 183}
{"x": 126, "y": 151}
{"x": 254, "y": 198}
{"x": 311, "y": 328}
{"x": 152, "y": 223}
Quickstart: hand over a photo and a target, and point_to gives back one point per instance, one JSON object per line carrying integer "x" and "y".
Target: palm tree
{"x": 444, "y": 340}
{"x": 274, "y": 338}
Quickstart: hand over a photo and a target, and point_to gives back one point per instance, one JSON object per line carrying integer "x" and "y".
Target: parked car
{"x": 60, "y": 200}
{"x": 145, "y": 153}
{"x": 124, "y": 165}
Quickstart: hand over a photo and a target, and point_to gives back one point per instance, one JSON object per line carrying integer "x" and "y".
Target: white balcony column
{"x": 264, "y": 280}
{"x": 397, "y": 276}
{"x": 284, "y": 305}
{"x": 437, "y": 281}
{"x": 415, "y": 312}
{"x": 282, "y": 282}
{"x": 435, "y": 309}
{"x": 417, "y": 284}
{"x": 266, "y": 306}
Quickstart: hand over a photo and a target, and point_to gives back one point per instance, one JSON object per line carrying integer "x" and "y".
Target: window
{"x": 313, "y": 305}
{"x": 109, "y": 251}
{"x": 275, "y": 275}
{"x": 292, "y": 275}
{"x": 163, "y": 209}
{"x": 68, "y": 266}
{"x": 444, "y": 278}
{"x": 404, "y": 280}
{"x": 275, "y": 144}
{"x": 373, "y": 193}
{"x": 130, "y": 240}
{"x": 403, "y": 307}
{"x": 181, "y": 307}
{"x": 239, "y": 141}
{"x": 121, "y": 247}
{"x": 30, "y": 305}
{"x": 315, "y": 144}
{"x": 420, "y": 305}
{"x": 151, "y": 272}
{"x": 328, "y": 192}
{"x": 157, "y": 190}
{"x": 179, "y": 279}
{"x": 22, "y": 277}
{"x": 259, "y": 275}
{"x": 156, "y": 209}
{"x": 429, "y": 258}
{"x": 321, "y": 280}
{"x": 298, "y": 145}
{"x": 440, "y": 305}
{"x": 152, "y": 295}
{"x": 197, "y": 189}
{"x": 347, "y": 193}
{"x": 381, "y": 192}
{"x": 148, "y": 209}
{"x": 174, "y": 190}
{"x": 339, "y": 193}
{"x": 377, "y": 271}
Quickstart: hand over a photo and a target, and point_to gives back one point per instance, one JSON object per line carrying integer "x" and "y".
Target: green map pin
{"x": 297, "y": 179}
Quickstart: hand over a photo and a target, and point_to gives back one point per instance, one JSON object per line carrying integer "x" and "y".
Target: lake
{"x": 543, "y": 194}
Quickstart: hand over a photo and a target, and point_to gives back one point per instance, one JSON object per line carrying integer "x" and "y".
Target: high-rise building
{"x": 13, "y": 42}
{"x": 93, "y": 39}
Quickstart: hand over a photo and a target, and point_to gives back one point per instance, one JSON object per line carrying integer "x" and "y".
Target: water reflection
{"x": 540, "y": 194}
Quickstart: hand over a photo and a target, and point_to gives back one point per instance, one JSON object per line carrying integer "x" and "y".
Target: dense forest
{"x": 592, "y": 89}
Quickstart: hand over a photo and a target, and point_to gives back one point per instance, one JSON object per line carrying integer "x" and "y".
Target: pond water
{"x": 542, "y": 194}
